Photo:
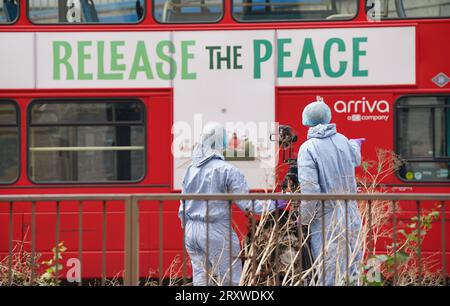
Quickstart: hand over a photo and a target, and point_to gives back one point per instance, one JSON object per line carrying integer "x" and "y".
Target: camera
{"x": 286, "y": 137}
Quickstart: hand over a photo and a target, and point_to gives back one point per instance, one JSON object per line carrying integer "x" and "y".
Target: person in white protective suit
{"x": 326, "y": 164}
{"x": 210, "y": 174}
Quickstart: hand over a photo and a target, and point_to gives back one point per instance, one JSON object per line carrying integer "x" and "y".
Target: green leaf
{"x": 403, "y": 232}
{"x": 382, "y": 257}
{"x": 435, "y": 214}
{"x": 364, "y": 166}
{"x": 402, "y": 256}
{"x": 413, "y": 238}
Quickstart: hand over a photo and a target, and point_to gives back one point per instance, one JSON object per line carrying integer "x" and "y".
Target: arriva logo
{"x": 361, "y": 106}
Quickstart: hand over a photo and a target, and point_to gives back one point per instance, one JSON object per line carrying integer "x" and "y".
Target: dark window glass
{"x": 9, "y": 143}
{"x": 416, "y": 141}
{"x": 8, "y": 113}
{"x": 187, "y": 11}
{"x": 56, "y": 113}
{"x": 86, "y": 141}
{"x": 262, "y": 10}
{"x": 403, "y": 9}
{"x": 9, "y": 11}
{"x": 423, "y": 138}
{"x": 86, "y": 11}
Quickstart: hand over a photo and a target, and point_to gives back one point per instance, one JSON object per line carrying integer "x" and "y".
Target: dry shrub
{"x": 21, "y": 265}
{"x": 378, "y": 219}
{"x": 172, "y": 276}
{"x": 272, "y": 255}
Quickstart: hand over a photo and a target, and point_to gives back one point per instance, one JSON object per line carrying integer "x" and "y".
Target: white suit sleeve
{"x": 236, "y": 183}
{"x": 356, "y": 152}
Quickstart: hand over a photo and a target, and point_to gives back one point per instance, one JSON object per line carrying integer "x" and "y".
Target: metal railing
{"x": 132, "y": 211}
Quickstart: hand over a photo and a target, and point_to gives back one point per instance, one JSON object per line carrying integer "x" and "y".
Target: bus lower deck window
{"x": 86, "y": 11}
{"x": 86, "y": 141}
{"x": 404, "y": 9}
{"x": 9, "y": 11}
{"x": 188, "y": 11}
{"x": 294, "y": 10}
{"x": 9, "y": 142}
{"x": 423, "y": 138}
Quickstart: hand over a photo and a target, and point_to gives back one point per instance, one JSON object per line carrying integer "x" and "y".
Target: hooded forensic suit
{"x": 209, "y": 174}
{"x": 326, "y": 164}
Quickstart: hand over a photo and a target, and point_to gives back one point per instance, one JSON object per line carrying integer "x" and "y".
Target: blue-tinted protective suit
{"x": 326, "y": 164}
{"x": 209, "y": 173}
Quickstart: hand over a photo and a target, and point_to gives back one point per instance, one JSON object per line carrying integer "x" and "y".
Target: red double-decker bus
{"x": 107, "y": 96}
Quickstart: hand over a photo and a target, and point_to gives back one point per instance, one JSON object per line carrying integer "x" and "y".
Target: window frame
{"x": 15, "y": 20}
{"x": 402, "y": 18}
{"x": 181, "y": 23}
{"x": 397, "y": 134}
{"x": 144, "y": 17}
{"x": 293, "y": 20}
{"x": 19, "y": 137}
{"x": 80, "y": 101}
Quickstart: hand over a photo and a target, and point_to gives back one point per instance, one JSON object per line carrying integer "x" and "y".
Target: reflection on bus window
{"x": 86, "y": 11}
{"x": 9, "y": 143}
{"x": 187, "y": 11}
{"x": 86, "y": 142}
{"x": 9, "y": 10}
{"x": 423, "y": 138}
{"x": 402, "y": 9}
{"x": 262, "y": 10}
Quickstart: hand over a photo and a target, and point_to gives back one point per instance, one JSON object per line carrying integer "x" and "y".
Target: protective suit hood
{"x": 322, "y": 131}
{"x": 203, "y": 154}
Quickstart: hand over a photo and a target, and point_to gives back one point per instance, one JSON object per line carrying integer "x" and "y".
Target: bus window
{"x": 188, "y": 11}
{"x": 423, "y": 138}
{"x": 86, "y": 11}
{"x": 401, "y": 9}
{"x": 291, "y": 10}
{"x": 9, "y": 142}
{"x": 86, "y": 141}
{"x": 9, "y": 10}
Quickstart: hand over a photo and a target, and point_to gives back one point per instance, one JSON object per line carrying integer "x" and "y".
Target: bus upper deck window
{"x": 188, "y": 11}
{"x": 9, "y": 142}
{"x": 401, "y": 9}
{"x": 423, "y": 138}
{"x": 86, "y": 11}
{"x": 292, "y": 10}
{"x": 9, "y": 10}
